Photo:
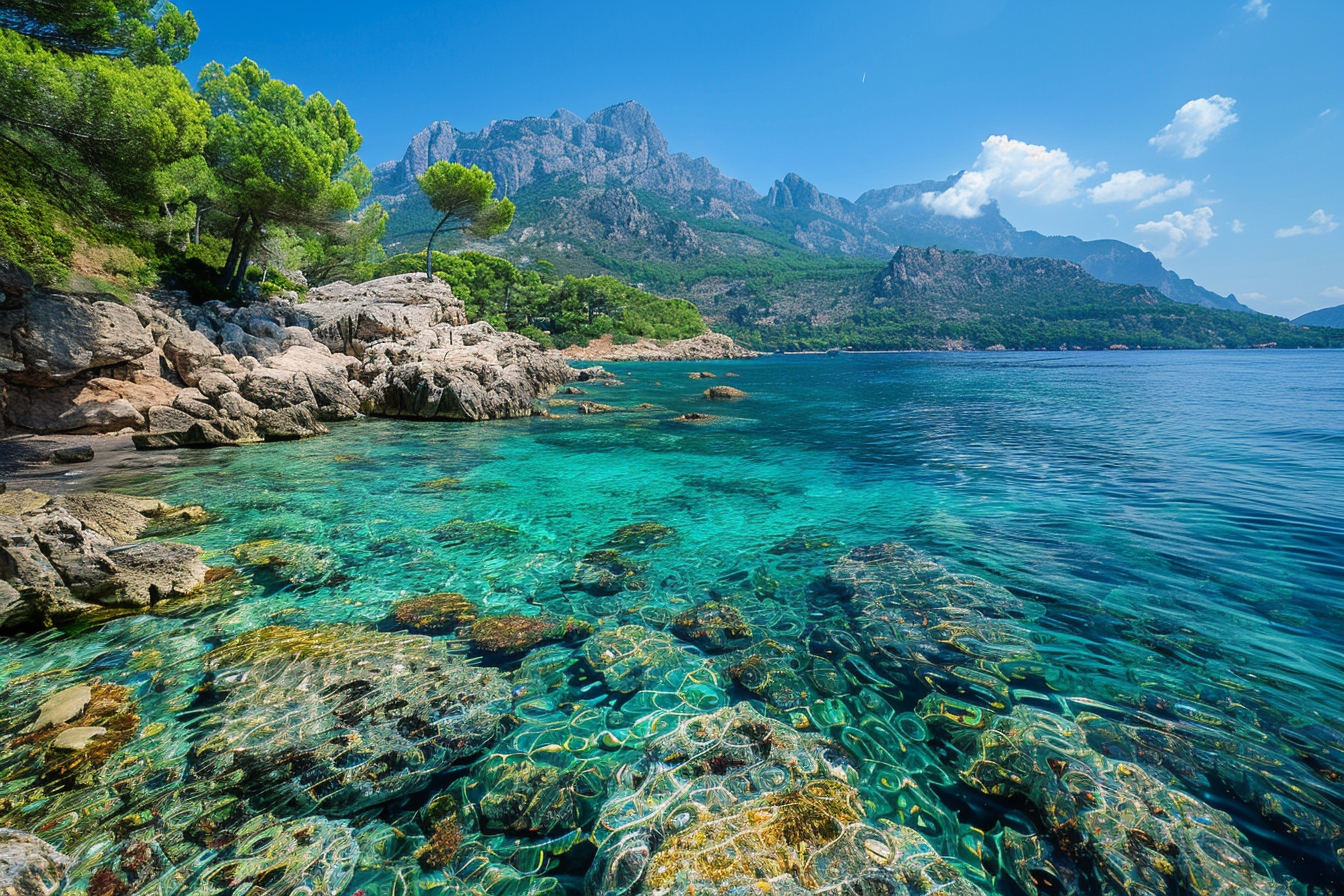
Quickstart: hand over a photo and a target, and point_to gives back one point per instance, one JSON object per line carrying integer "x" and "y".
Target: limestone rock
{"x": 30, "y": 866}
{"x": 349, "y": 318}
{"x": 75, "y": 454}
{"x": 58, "y": 337}
{"x": 461, "y": 373}
{"x": 57, "y": 566}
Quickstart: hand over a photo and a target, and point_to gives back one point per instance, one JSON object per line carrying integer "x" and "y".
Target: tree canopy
{"x": 147, "y": 33}
{"x": 465, "y": 198}
{"x": 281, "y": 159}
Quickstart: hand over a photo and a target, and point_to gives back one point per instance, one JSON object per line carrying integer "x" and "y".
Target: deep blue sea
{"x": 1174, "y": 521}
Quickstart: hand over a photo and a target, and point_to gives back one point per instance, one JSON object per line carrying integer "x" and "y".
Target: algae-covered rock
{"x": 300, "y": 564}
{"x": 635, "y": 536}
{"x": 712, "y": 625}
{"x": 632, "y": 657}
{"x": 340, "y": 718}
{"x": 518, "y": 633}
{"x": 724, "y": 393}
{"x": 1129, "y": 830}
{"x": 734, "y": 802}
{"x": 925, "y": 627}
{"x": 72, "y": 735}
{"x": 434, "y": 614}
{"x": 607, "y": 572}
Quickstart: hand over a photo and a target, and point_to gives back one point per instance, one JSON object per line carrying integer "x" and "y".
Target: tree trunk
{"x": 429, "y": 250}
{"x": 235, "y": 249}
{"x": 236, "y": 283}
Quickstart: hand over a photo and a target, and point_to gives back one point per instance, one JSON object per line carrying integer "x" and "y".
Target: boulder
{"x": 190, "y": 353}
{"x": 724, "y": 393}
{"x": 65, "y": 558}
{"x": 461, "y": 373}
{"x": 57, "y": 337}
{"x": 349, "y": 318}
{"x": 75, "y": 454}
{"x": 30, "y": 866}
{"x": 98, "y": 405}
{"x": 169, "y": 420}
{"x": 212, "y": 384}
{"x": 288, "y": 424}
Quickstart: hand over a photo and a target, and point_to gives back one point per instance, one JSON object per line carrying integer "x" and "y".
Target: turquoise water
{"x": 1175, "y": 520}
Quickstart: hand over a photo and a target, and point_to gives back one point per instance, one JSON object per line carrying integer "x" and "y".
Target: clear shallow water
{"x": 1176, "y": 519}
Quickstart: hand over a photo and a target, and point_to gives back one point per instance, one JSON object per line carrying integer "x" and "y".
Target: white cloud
{"x": 1318, "y": 222}
{"x": 1177, "y": 233}
{"x": 1328, "y": 113}
{"x": 1195, "y": 124}
{"x": 1141, "y": 187}
{"x": 1332, "y": 292}
{"x": 1178, "y": 190}
{"x": 1009, "y": 167}
{"x": 1257, "y": 8}
{"x": 1238, "y": 226}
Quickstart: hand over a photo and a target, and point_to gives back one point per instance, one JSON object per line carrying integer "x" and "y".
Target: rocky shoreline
{"x": 173, "y": 374}
{"x": 705, "y": 347}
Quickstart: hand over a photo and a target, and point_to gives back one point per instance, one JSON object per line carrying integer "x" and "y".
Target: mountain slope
{"x": 930, "y": 299}
{"x": 1324, "y": 317}
{"x": 667, "y": 209}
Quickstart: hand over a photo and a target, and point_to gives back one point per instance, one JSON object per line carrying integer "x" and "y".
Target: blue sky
{"x": 1209, "y": 131}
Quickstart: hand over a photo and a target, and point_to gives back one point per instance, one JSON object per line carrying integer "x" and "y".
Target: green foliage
{"x": 465, "y": 199}
{"x": 145, "y": 32}
{"x": 93, "y": 133}
{"x": 348, "y": 251}
{"x": 279, "y": 157}
{"x": 572, "y": 310}
{"x": 29, "y": 235}
{"x": 1163, "y": 324}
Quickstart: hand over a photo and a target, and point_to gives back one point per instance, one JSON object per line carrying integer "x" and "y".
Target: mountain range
{"x": 606, "y": 195}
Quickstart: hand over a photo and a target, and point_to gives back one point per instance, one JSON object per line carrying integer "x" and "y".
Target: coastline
{"x": 25, "y": 461}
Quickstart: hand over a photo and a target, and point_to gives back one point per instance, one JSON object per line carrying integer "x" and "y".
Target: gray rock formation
{"x": 349, "y": 318}
{"x": 63, "y": 557}
{"x": 620, "y": 142}
{"x": 30, "y": 866}
{"x": 70, "y": 364}
{"x": 461, "y": 373}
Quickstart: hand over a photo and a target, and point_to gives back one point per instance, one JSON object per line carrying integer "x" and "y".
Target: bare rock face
{"x": 348, "y": 318}
{"x": 58, "y": 337}
{"x": 62, "y": 558}
{"x": 461, "y": 373}
{"x": 30, "y": 866}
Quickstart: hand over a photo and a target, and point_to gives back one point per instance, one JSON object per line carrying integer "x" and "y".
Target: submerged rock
{"x": 927, "y": 628}
{"x": 340, "y": 718}
{"x": 1132, "y": 832}
{"x": 300, "y": 564}
{"x": 734, "y": 802}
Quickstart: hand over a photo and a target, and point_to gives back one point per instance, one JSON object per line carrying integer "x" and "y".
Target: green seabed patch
{"x": 499, "y": 658}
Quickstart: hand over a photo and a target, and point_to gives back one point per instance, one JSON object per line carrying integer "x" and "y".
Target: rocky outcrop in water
{"x": 460, "y": 373}
{"x": 61, "y": 558}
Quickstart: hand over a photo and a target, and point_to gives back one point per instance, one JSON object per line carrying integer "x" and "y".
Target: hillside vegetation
{"x": 555, "y": 311}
